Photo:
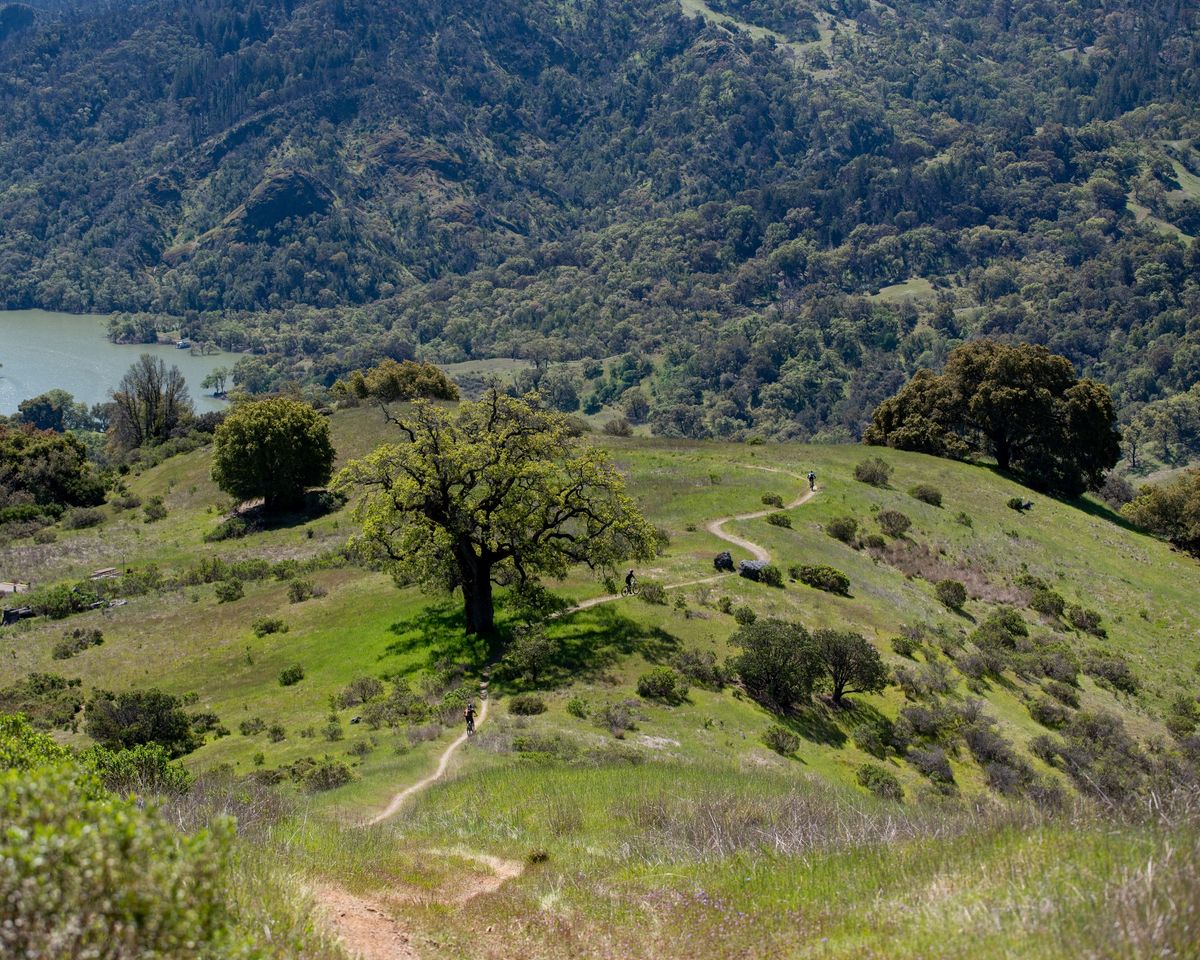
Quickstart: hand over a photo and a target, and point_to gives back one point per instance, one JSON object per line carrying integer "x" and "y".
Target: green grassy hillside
{"x": 686, "y": 835}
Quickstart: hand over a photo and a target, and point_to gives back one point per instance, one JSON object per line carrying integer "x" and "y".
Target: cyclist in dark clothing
{"x": 812, "y": 480}
{"x": 469, "y": 715}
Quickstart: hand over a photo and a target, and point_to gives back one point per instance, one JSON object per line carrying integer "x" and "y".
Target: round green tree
{"x": 274, "y": 449}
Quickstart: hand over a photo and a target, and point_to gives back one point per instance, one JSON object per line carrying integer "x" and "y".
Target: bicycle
{"x": 631, "y": 589}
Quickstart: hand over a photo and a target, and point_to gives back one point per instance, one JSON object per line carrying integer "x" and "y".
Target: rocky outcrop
{"x": 281, "y": 196}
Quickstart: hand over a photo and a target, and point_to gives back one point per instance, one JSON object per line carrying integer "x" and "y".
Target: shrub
{"x": 123, "y": 720}
{"x": 154, "y": 510}
{"x": 263, "y": 626}
{"x": 779, "y": 519}
{"x": 360, "y": 690}
{"x": 1112, "y": 670}
{"x": 81, "y": 518}
{"x": 332, "y": 731}
{"x": 906, "y": 646}
{"x": 880, "y": 781}
{"x": 232, "y": 528}
{"x": 145, "y": 770}
{"x": 327, "y": 774}
{"x": 744, "y": 615}
{"x": 893, "y": 522}
{"x": 300, "y": 590}
{"x": 44, "y": 536}
{"x": 616, "y": 717}
{"x": 662, "y": 683}
{"x": 1063, "y": 693}
{"x": 701, "y": 667}
{"x": 578, "y": 707}
{"x": 781, "y": 740}
{"x": 933, "y": 764}
{"x": 1019, "y": 504}
{"x": 772, "y": 500}
{"x": 1047, "y": 712}
{"x": 1083, "y": 619}
{"x": 952, "y": 593}
{"x": 771, "y": 575}
{"x": 775, "y": 665}
{"x": 290, "y": 676}
{"x": 228, "y": 591}
{"x": 874, "y": 541}
{"x": 276, "y": 733}
{"x": 248, "y": 728}
{"x": 926, "y": 494}
{"x": 822, "y": 577}
{"x": 526, "y": 705}
{"x": 1047, "y": 602}
{"x": 725, "y": 605}
{"x": 964, "y": 518}
{"x": 875, "y": 471}
{"x": 76, "y": 641}
{"x": 842, "y": 528}
{"x": 869, "y": 738}
{"x": 652, "y": 592}
{"x": 618, "y": 427}
{"x": 532, "y": 650}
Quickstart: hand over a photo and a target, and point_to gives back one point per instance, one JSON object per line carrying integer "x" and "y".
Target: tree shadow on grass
{"x": 316, "y": 504}
{"x": 439, "y": 629}
{"x": 817, "y": 724}
{"x": 593, "y": 641}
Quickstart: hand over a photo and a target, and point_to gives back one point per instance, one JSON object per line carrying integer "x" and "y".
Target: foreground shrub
{"x": 822, "y": 577}
{"x": 662, "y": 683}
{"x": 781, "y": 740}
{"x": 85, "y": 870}
{"x": 81, "y": 518}
{"x": 880, "y": 781}
{"x": 926, "y": 494}
{"x": 578, "y": 708}
{"x": 771, "y": 575}
{"x": 875, "y": 471}
{"x": 779, "y": 519}
{"x": 652, "y": 592}
{"x": 526, "y": 705}
{"x": 951, "y": 593}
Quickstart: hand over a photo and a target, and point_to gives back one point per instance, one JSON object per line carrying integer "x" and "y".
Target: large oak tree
{"x": 1020, "y": 404}
{"x": 497, "y": 491}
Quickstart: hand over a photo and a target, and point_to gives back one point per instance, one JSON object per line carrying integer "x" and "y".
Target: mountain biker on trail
{"x": 812, "y": 480}
{"x": 469, "y": 716}
{"x": 630, "y": 582}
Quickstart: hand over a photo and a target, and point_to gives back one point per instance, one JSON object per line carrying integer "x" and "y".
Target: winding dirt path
{"x": 365, "y": 925}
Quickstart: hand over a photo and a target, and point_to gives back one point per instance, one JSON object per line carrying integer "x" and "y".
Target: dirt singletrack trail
{"x": 717, "y": 529}
{"x": 397, "y": 801}
{"x": 365, "y": 926}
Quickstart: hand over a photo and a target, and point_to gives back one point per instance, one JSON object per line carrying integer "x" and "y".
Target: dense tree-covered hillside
{"x": 788, "y": 218}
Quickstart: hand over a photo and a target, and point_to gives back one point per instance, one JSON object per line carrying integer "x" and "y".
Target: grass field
{"x": 688, "y": 836}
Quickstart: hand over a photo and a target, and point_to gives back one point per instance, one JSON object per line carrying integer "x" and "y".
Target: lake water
{"x": 40, "y": 350}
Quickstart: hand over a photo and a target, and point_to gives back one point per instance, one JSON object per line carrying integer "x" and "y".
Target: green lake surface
{"x": 40, "y": 350}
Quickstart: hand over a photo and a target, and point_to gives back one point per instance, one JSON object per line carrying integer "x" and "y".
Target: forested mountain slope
{"x": 787, "y": 218}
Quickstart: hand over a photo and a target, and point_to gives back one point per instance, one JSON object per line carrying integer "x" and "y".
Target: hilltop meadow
{"x": 1019, "y": 785}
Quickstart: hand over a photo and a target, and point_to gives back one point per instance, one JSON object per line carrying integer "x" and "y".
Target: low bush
{"x": 744, "y": 615}
{"x": 1047, "y": 602}
{"x": 233, "y": 528}
{"x": 875, "y": 471}
{"x": 893, "y": 522}
{"x": 300, "y": 590}
{"x": 951, "y": 593}
{"x": 880, "y": 781}
{"x": 781, "y": 740}
{"x": 264, "y": 626}
{"x": 617, "y": 718}
{"x": 227, "y": 591}
{"x": 1048, "y": 712}
{"x": 926, "y": 494}
{"x": 526, "y": 705}
{"x": 290, "y": 676}
{"x": 618, "y": 427}
{"x": 772, "y": 500}
{"x": 76, "y": 641}
{"x": 578, "y": 708}
{"x": 932, "y": 763}
{"x": 360, "y": 690}
{"x": 842, "y": 528}
{"x": 652, "y": 592}
{"x": 81, "y": 518}
{"x": 252, "y": 726}
{"x": 701, "y": 667}
{"x": 779, "y": 519}
{"x": 822, "y": 577}
{"x": 870, "y": 738}
{"x": 1112, "y": 670}
{"x": 664, "y": 684}
{"x": 1064, "y": 693}
{"x": 771, "y": 575}
{"x": 276, "y": 733}
{"x": 1019, "y": 504}
{"x": 1084, "y": 619}
{"x": 154, "y": 510}
{"x": 906, "y": 646}
{"x": 964, "y": 519}
{"x": 327, "y": 774}
{"x": 47, "y": 700}
{"x": 135, "y": 717}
